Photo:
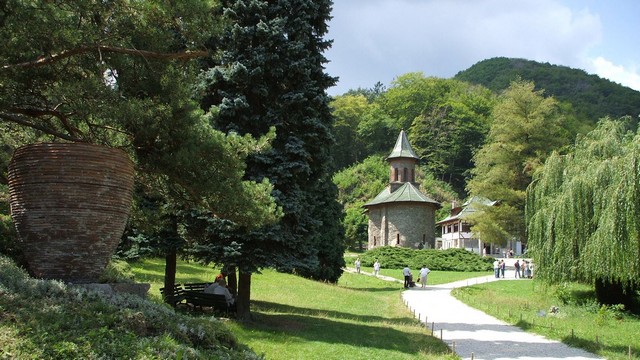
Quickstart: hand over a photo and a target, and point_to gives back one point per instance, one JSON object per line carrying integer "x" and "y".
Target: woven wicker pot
{"x": 69, "y": 204}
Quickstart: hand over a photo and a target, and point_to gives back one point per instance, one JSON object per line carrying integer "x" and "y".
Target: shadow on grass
{"x": 304, "y": 328}
{"x": 593, "y": 346}
{"x": 265, "y": 306}
{"x": 375, "y": 289}
{"x": 590, "y": 345}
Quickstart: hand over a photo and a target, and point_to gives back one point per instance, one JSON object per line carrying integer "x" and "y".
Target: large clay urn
{"x": 69, "y": 203}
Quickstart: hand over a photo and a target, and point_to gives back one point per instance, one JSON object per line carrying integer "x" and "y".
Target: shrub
{"x": 117, "y": 271}
{"x": 444, "y": 260}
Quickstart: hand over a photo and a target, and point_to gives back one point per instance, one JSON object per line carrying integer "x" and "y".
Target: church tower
{"x": 401, "y": 215}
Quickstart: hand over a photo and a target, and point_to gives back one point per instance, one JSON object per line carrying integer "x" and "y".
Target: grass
{"x": 580, "y": 322}
{"x": 43, "y": 319}
{"x": 294, "y": 318}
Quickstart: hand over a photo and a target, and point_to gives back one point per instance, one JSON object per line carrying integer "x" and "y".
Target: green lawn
{"x": 294, "y": 318}
{"x": 363, "y": 317}
{"x": 580, "y": 322}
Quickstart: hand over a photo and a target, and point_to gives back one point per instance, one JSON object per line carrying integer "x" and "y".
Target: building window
{"x": 455, "y": 227}
{"x": 397, "y": 239}
{"x": 413, "y": 175}
{"x": 405, "y": 175}
{"x": 374, "y": 241}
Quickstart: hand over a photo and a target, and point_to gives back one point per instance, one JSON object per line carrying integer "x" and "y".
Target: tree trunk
{"x": 243, "y": 301}
{"x": 232, "y": 280}
{"x": 170, "y": 272}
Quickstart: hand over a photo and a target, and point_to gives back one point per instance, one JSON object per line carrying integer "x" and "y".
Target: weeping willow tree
{"x": 583, "y": 213}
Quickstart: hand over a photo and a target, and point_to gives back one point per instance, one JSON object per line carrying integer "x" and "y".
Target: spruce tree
{"x": 270, "y": 75}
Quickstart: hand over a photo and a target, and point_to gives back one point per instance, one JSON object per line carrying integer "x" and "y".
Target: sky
{"x": 379, "y": 40}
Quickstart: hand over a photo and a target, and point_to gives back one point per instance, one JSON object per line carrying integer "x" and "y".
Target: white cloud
{"x": 378, "y": 40}
{"x": 617, "y": 73}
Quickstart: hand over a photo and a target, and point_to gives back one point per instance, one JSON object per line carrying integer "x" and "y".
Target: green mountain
{"x": 591, "y": 96}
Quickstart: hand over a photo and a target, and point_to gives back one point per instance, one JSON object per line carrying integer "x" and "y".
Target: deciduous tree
{"x": 525, "y": 128}
{"x": 583, "y": 213}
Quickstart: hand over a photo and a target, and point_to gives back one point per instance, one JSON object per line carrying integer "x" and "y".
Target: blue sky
{"x": 378, "y": 40}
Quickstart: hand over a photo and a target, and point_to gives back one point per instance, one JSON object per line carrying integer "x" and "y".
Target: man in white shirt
{"x": 423, "y": 275}
{"x": 376, "y": 268}
{"x": 407, "y": 276}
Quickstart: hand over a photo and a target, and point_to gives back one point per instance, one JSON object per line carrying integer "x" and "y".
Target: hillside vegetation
{"x": 591, "y": 96}
{"x": 44, "y": 319}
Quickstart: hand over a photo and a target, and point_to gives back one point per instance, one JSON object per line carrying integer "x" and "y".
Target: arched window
{"x": 395, "y": 174}
{"x": 405, "y": 175}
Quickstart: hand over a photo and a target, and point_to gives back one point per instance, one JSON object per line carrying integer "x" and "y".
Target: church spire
{"x": 403, "y": 148}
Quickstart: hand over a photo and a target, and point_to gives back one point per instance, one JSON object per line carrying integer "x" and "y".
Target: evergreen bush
{"x": 444, "y": 260}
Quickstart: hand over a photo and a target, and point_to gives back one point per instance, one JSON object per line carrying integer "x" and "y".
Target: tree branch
{"x": 46, "y": 130}
{"x": 39, "y": 112}
{"x": 46, "y": 60}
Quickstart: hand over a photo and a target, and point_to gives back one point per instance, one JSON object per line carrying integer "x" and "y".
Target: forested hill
{"x": 592, "y": 97}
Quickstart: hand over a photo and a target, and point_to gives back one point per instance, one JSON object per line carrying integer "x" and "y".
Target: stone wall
{"x": 402, "y": 224}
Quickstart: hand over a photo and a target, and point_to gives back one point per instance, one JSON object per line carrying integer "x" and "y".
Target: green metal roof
{"x": 474, "y": 204}
{"x": 402, "y": 149}
{"x": 405, "y": 193}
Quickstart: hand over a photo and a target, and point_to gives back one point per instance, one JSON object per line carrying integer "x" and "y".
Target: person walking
{"x": 407, "y": 276}
{"x": 358, "y": 265}
{"x": 503, "y": 266}
{"x": 423, "y": 275}
{"x": 376, "y": 268}
{"x": 496, "y": 268}
{"x": 517, "y": 266}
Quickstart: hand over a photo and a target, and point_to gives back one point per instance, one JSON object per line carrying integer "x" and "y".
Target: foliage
{"x": 270, "y": 74}
{"x": 48, "y": 319}
{"x": 116, "y": 73}
{"x": 526, "y": 127}
{"x": 445, "y": 260}
{"x": 451, "y": 128}
{"x": 448, "y": 120}
{"x": 582, "y": 209}
{"x": 348, "y": 111}
{"x": 579, "y": 321}
{"x": 590, "y": 96}
{"x": 117, "y": 271}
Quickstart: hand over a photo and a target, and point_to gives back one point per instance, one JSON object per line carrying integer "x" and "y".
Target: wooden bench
{"x": 175, "y": 297}
{"x": 195, "y": 286}
{"x": 199, "y": 299}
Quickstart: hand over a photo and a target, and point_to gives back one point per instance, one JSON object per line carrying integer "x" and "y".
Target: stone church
{"x": 401, "y": 215}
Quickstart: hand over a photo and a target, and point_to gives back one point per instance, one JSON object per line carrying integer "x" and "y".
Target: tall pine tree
{"x": 271, "y": 75}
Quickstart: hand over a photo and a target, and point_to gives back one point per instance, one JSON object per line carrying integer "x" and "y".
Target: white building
{"x": 456, "y": 230}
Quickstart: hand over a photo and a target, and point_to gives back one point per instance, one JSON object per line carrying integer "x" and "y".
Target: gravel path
{"x": 476, "y": 335}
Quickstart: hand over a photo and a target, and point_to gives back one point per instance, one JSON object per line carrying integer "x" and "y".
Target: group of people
{"x": 523, "y": 269}
{"x": 376, "y": 266}
{"x": 406, "y": 272}
{"x": 408, "y": 276}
